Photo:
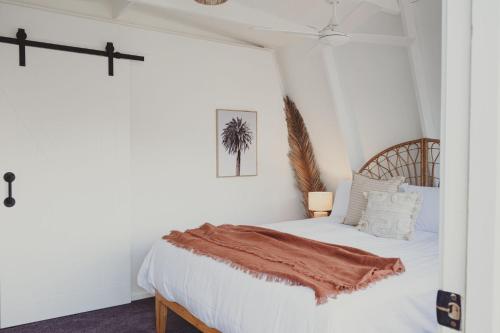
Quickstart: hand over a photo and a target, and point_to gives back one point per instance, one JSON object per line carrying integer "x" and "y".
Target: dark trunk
{"x": 238, "y": 163}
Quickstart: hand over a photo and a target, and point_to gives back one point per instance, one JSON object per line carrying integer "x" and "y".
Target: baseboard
{"x": 141, "y": 295}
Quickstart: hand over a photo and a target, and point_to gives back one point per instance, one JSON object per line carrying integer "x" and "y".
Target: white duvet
{"x": 234, "y": 302}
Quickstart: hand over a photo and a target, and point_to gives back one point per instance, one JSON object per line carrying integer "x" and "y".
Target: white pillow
{"x": 341, "y": 200}
{"x": 428, "y": 219}
{"x": 390, "y": 214}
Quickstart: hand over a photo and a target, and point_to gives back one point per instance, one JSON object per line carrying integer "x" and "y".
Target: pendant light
{"x": 211, "y": 2}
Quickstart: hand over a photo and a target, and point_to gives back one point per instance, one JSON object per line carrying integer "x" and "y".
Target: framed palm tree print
{"x": 236, "y": 143}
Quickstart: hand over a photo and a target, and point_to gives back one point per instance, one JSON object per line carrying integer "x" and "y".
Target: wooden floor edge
{"x": 163, "y": 305}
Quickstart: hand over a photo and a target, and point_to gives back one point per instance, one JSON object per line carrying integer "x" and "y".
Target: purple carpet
{"x": 137, "y": 317}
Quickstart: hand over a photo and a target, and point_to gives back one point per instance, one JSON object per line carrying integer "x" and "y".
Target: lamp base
{"x": 320, "y": 214}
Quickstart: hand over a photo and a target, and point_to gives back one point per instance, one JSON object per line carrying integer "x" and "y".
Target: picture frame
{"x": 236, "y": 141}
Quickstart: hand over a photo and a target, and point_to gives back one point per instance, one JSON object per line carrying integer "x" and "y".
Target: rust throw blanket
{"x": 326, "y": 268}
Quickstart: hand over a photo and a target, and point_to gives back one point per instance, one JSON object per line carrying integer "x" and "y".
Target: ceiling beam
{"x": 388, "y": 6}
{"x": 429, "y": 128}
{"x": 362, "y": 12}
{"x": 348, "y": 124}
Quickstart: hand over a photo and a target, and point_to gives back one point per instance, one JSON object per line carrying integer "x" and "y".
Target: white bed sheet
{"x": 234, "y": 302}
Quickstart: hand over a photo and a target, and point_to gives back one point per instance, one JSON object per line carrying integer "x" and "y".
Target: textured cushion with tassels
{"x": 391, "y": 215}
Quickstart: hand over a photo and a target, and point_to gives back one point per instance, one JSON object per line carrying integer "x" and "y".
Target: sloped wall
{"x": 377, "y": 83}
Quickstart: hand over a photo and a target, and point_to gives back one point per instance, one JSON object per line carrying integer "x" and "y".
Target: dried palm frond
{"x": 301, "y": 154}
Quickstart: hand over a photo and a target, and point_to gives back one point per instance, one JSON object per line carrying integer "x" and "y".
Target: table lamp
{"x": 320, "y": 203}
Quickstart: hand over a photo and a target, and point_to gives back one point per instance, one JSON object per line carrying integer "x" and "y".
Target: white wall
{"x": 174, "y": 98}
{"x": 173, "y": 95}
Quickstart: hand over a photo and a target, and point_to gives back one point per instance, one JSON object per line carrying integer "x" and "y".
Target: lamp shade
{"x": 320, "y": 201}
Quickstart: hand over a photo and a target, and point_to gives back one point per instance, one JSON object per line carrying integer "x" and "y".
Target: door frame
{"x": 483, "y": 267}
{"x": 470, "y": 128}
{"x": 455, "y": 114}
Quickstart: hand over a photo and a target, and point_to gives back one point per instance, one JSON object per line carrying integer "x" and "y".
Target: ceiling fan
{"x": 329, "y": 34}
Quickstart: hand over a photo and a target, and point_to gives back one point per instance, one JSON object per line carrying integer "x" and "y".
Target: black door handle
{"x": 9, "y": 177}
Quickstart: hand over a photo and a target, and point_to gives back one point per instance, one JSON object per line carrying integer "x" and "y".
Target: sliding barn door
{"x": 64, "y": 133}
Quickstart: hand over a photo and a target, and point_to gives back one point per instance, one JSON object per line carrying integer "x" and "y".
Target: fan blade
{"x": 301, "y": 33}
{"x": 381, "y": 39}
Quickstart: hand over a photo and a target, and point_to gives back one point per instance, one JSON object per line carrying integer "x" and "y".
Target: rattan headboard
{"x": 417, "y": 160}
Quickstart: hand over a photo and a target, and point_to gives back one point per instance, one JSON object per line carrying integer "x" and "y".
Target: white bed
{"x": 231, "y": 301}
{"x": 234, "y": 302}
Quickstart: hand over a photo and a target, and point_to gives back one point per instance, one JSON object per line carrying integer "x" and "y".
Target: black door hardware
{"x": 9, "y": 177}
{"x": 108, "y": 52}
{"x": 449, "y": 309}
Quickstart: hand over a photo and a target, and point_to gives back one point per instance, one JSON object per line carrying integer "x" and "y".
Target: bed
{"x": 217, "y": 298}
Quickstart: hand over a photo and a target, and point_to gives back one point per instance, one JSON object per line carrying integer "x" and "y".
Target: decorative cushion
{"x": 360, "y": 184}
{"x": 391, "y": 215}
{"x": 428, "y": 219}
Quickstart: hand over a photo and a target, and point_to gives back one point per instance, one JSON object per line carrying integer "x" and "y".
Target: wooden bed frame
{"x": 417, "y": 160}
{"x": 163, "y": 305}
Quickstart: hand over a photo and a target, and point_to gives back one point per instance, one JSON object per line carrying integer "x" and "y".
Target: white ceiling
{"x": 233, "y": 20}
